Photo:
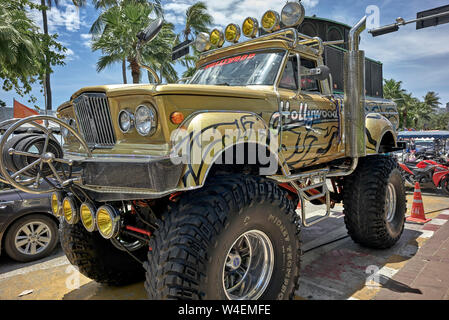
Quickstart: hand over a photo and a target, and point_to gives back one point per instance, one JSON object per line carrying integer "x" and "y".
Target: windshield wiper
{"x": 223, "y": 84}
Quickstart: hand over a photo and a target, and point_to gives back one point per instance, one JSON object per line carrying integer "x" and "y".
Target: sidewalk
{"x": 426, "y": 275}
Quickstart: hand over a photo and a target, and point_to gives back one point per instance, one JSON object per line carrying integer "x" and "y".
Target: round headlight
{"x": 125, "y": 121}
{"x": 271, "y": 21}
{"x": 232, "y": 33}
{"x": 292, "y": 14}
{"x": 56, "y": 205}
{"x": 146, "y": 120}
{"x": 217, "y": 38}
{"x": 202, "y": 42}
{"x": 250, "y": 27}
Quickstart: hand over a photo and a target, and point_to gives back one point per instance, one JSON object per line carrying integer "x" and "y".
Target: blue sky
{"x": 419, "y": 58}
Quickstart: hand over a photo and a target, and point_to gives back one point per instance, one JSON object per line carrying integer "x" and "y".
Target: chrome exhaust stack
{"x": 354, "y": 99}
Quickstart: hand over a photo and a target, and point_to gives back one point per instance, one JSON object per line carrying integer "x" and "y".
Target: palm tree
{"x": 432, "y": 100}
{"x": 47, "y": 86}
{"x": 197, "y": 20}
{"x": 117, "y": 38}
{"x": 393, "y": 90}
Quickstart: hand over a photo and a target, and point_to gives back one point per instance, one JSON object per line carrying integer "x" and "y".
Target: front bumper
{"x": 115, "y": 178}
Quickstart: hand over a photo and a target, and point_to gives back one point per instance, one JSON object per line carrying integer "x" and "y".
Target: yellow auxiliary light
{"x": 271, "y": 21}
{"x": 70, "y": 211}
{"x": 87, "y": 213}
{"x": 250, "y": 27}
{"x": 217, "y": 38}
{"x": 232, "y": 33}
{"x": 292, "y": 14}
{"x": 56, "y": 204}
{"x": 108, "y": 222}
{"x": 202, "y": 42}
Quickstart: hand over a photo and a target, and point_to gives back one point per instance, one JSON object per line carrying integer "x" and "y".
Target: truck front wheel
{"x": 236, "y": 238}
{"x": 98, "y": 258}
{"x": 375, "y": 203}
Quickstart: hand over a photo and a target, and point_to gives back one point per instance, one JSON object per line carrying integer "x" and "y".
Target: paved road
{"x": 333, "y": 267}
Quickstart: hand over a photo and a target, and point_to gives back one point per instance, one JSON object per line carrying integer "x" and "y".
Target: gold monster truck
{"x": 200, "y": 182}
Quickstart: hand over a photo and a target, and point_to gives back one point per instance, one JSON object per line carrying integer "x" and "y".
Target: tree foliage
{"x": 413, "y": 112}
{"x": 115, "y": 35}
{"x": 23, "y": 49}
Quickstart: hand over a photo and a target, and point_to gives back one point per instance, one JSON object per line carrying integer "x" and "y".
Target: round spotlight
{"x": 232, "y": 33}
{"x": 250, "y": 27}
{"x": 271, "y": 21}
{"x": 87, "y": 213}
{"x": 56, "y": 204}
{"x": 202, "y": 42}
{"x": 70, "y": 211}
{"x": 108, "y": 222}
{"x": 217, "y": 38}
{"x": 125, "y": 121}
{"x": 292, "y": 14}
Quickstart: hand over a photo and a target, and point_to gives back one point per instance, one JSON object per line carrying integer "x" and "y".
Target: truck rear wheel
{"x": 236, "y": 238}
{"x": 375, "y": 203}
{"x": 98, "y": 258}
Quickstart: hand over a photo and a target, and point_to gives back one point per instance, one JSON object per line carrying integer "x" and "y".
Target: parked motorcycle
{"x": 429, "y": 173}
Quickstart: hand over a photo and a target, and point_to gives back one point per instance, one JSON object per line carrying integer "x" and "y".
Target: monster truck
{"x": 205, "y": 184}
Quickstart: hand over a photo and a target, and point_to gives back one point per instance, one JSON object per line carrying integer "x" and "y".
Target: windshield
{"x": 257, "y": 68}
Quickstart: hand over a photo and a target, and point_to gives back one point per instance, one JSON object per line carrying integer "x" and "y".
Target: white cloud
{"x": 86, "y": 39}
{"x": 65, "y": 15}
{"x": 228, "y": 11}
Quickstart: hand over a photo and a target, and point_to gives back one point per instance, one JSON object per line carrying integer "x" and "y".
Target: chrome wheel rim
{"x": 248, "y": 266}
{"x": 32, "y": 238}
{"x": 390, "y": 202}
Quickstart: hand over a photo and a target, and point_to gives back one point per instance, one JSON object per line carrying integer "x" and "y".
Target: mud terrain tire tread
{"x": 97, "y": 258}
{"x": 179, "y": 255}
{"x": 364, "y": 194}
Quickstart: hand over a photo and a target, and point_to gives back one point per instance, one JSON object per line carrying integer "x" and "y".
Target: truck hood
{"x": 248, "y": 92}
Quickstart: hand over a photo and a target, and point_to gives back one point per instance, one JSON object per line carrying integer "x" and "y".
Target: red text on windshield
{"x": 231, "y": 60}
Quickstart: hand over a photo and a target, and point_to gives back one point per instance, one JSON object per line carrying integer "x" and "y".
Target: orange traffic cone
{"x": 418, "y": 215}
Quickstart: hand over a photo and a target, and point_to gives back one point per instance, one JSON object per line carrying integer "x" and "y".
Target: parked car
{"x": 28, "y": 230}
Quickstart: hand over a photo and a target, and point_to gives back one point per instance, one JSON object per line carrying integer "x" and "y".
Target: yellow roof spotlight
{"x": 292, "y": 14}
{"x": 250, "y": 27}
{"x": 202, "y": 42}
{"x": 271, "y": 21}
{"x": 217, "y": 38}
{"x": 232, "y": 33}
{"x": 70, "y": 211}
{"x": 108, "y": 222}
{"x": 87, "y": 213}
{"x": 56, "y": 204}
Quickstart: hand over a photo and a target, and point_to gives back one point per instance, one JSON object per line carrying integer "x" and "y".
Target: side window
{"x": 290, "y": 76}
{"x": 308, "y": 84}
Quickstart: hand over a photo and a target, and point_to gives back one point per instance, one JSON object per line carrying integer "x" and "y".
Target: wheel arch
{"x": 381, "y": 136}
{"x": 245, "y": 126}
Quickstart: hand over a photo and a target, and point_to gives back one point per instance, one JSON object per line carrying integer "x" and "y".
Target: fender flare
{"x": 205, "y": 136}
{"x": 377, "y": 126}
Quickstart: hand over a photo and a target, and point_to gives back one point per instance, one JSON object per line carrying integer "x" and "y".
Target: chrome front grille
{"x": 94, "y": 118}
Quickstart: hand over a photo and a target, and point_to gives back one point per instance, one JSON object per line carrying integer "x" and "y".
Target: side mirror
{"x": 151, "y": 31}
{"x": 319, "y": 73}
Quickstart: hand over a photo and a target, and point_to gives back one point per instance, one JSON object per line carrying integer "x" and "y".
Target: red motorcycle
{"x": 428, "y": 173}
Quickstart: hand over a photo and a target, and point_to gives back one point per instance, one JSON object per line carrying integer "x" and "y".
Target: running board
{"x": 303, "y": 196}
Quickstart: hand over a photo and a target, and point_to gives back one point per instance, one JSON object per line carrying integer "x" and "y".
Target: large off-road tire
{"x": 195, "y": 253}
{"x": 98, "y": 259}
{"x": 375, "y": 202}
